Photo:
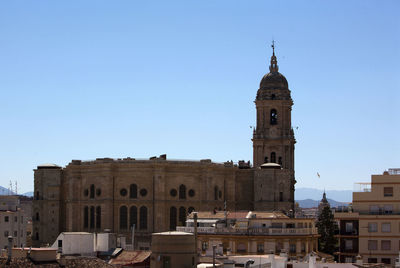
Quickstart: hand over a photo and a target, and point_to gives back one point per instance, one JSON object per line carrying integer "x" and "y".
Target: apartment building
{"x": 253, "y": 232}
{"x": 12, "y": 221}
{"x": 372, "y": 228}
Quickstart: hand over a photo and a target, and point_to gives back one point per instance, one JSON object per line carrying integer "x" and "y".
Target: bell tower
{"x": 273, "y": 142}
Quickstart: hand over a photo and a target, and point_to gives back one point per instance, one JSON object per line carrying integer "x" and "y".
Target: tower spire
{"x": 273, "y": 68}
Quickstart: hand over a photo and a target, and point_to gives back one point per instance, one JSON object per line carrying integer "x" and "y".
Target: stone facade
{"x": 156, "y": 194}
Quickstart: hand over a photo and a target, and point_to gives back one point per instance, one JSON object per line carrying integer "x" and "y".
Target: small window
{"x": 386, "y": 245}
{"x": 204, "y": 245}
{"x": 372, "y": 244}
{"x": 6, "y": 233}
{"x": 273, "y": 117}
{"x": 372, "y": 227}
{"x": 191, "y": 193}
{"x": 386, "y": 227}
{"x": 280, "y": 196}
{"x": 60, "y": 243}
{"x": 386, "y": 260}
{"x": 280, "y": 160}
{"x": 216, "y": 193}
{"x": 260, "y": 248}
{"x": 15, "y": 218}
{"x": 348, "y": 244}
{"x": 349, "y": 227}
{"x": 388, "y": 209}
{"x": 372, "y": 260}
{"x": 98, "y": 192}
{"x": 133, "y": 191}
{"x": 374, "y": 209}
{"x": 123, "y": 192}
{"x": 6, "y": 218}
{"x": 86, "y": 192}
{"x": 92, "y": 191}
{"x": 182, "y": 192}
{"x": 273, "y": 157}
{"x": 266, "y": 159}
{"x": 143, "y": 192}
{"x": 15, "y": 233}
{"x": 173, "y": 192}
{"x": 292, "y": 248}
{"x": 220, "y": 194}
{"x": 388, "y": 191}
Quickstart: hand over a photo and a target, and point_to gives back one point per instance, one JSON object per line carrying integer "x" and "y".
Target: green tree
{"x": 326, "y": 228}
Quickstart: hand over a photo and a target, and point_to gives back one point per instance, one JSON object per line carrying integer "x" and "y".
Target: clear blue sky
{"x": 89, "y": 79}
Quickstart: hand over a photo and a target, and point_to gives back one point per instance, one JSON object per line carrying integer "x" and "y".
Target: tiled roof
{"x": 129, "y": 257}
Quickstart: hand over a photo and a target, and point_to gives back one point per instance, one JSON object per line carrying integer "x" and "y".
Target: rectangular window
{"x": 386, "y": 227}
{"x": 372, "y": 227}
{"x": 372, "y": 260}
{"x": 349, "y": 227}
{"x": 386, "y": 260}
{"x": 60, "y": 243}
{"x": 374, "y": 209}
{"x": 204, "y": 245}
{"x": 15, "y": 233}
{"x": 348, "y": 244}
{"x": 348, "y": 260}
{"x": 22, "y": 219}
{"x": 388, "y": 209}
{"x": 388, "y": 191}
{"x": 292, "y": 248}
{"x": 385, "y": 244}
{"x": 6, "y": 233}
{"x": 6, "y": 218}
{"x": 372, "y": 244}
{"x": 260, "y": 247}
{"x": 300, "y": 225}
{"x": 16, "y": 218}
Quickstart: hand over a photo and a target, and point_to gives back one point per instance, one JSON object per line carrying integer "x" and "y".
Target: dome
{"x": 274, "y": 80}
{"x": 270, "y": 166}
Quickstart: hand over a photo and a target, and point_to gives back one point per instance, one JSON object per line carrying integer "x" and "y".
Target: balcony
{"x": 250, "y": 231}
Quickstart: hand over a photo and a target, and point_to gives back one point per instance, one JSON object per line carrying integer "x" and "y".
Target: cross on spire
{"x": 274, "y": 63}
{"x": 273, "y": 47}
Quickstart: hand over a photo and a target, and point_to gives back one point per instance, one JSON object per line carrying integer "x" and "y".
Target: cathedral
{"x": 156, "y": 194}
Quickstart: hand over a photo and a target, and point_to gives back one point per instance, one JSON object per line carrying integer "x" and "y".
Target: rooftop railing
{"x": 249, "y": 231}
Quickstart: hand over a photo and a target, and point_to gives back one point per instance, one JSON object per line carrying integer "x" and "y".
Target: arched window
{"x": 98, "y": 217}
{"x": 182, "y": 192}
{"x": 143, "y": 218}
{"x": 123, "y": 217}
{"x": 133, "y": 191}
{"x": 172, "y": 218}
{"x": 37, "y": 195}
{"x": 92, "y": 191}
{"x": 182, "y": 216}
{"x": 190, "y": 210}
{"x": 37, "y": 235}
{"x": 91, "y": 217}
{"x": 273, "y": 157}
{"x": 86, "y": 217}
{"x": 280, "y": 160}
{"x": 274, "y": 117}
{"x": 37, "y": 216}
{"x": 133, "y": 216}
{"x": 216, "y": 193}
